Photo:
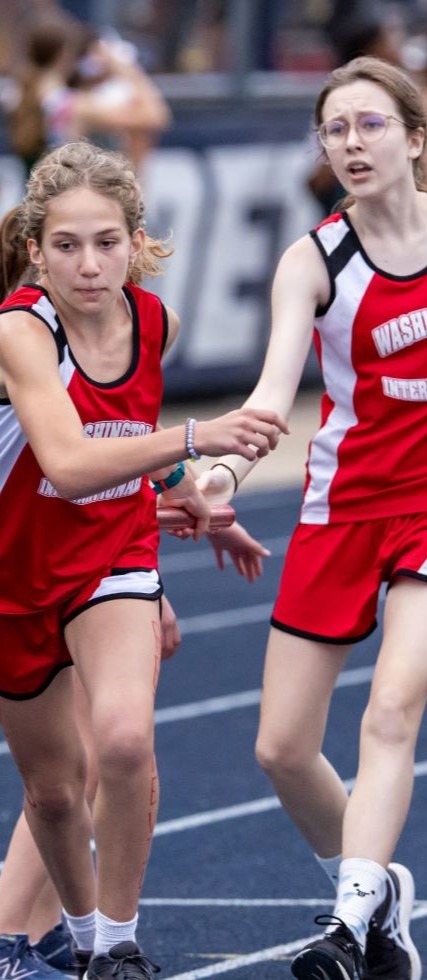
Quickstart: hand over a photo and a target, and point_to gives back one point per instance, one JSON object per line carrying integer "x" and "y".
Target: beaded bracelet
{"x": 236, "y": 483}
{"x": 170, "y": 481}
{"x": 189, "y": 439}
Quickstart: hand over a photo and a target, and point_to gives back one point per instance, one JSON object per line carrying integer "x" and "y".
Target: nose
{"x": 353, "y": 137}
{"x": 89, "y": 265}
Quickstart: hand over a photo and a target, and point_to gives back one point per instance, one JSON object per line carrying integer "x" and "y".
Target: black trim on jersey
{"x": 35, "y": 694}
{"x": 335, "y": 263}
{"x": 110, "y": 598}
{"x": 306, "y": 635}
{"x": 165, "y": 327}
{"x": 376, "y": 268}
{"x": 321, "y": 310}
{"x": 54, "y": 333}
{"x": 135, "y": 349}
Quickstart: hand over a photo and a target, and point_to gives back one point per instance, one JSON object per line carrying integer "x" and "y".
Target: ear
{"x": 34, "y": 252}
{"x": 137, "y": 244}
{"x": 416, "y": 139}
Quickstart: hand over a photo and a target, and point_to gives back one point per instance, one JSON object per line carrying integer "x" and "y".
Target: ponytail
{"x": 14, "y": 260}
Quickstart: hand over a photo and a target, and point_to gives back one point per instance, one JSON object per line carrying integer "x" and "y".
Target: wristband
{"x": 170, "y": 481}
{"x": 189, "y": 439}
{"x": 236, "y": 483}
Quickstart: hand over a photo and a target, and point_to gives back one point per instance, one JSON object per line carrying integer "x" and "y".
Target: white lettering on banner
{"x": 405, "y": 389}
{"x": 233, "y": 210}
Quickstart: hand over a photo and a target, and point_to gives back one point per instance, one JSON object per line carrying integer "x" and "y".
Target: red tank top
{"x": 48, "y": 545}
{"x": 368, "y": 458}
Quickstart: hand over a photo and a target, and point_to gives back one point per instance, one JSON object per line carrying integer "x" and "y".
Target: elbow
{"x": 67, "y": 481}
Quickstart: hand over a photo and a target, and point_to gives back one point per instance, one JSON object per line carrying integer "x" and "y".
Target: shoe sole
{"x": 308, "y": 966}
{"x": 407, "y": 895}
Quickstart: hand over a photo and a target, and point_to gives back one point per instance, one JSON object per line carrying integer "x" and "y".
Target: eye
{"x": 108, "y": 243}
{"x": 335, "y": 128}
{"x": 65, "y": 246}
{"x": 372, "y": 122}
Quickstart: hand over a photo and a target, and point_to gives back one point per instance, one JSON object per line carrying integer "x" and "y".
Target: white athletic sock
{"x": 82, "y": 928}
{"x": 109, "y": 932}
{"x": 361, "y": 889}
{"x": 331, "y": 867}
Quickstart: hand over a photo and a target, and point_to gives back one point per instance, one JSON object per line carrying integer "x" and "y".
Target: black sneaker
{"x": 125, "y": 961}
{"x": 337, "y": 956}
{"x": 82, "y": 958}
{"x": 390, "y": 952}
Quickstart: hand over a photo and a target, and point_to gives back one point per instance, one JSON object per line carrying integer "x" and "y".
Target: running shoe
{"x": 56, "y": 947}
{"x": 19, "y": 960}
{"x": 390, "y": 951}
{"x": 125, "y": 961}
{"x": 337, "y": 956}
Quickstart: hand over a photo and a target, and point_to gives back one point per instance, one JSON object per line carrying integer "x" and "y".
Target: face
{"x": 86, "y": 249}
{"x": 362, "y": 165}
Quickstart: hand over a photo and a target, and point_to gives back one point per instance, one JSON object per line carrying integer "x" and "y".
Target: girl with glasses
{"x": 360, "y": 280}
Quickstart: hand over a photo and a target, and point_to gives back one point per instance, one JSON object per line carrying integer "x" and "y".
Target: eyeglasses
{"x": 370, "y": 127}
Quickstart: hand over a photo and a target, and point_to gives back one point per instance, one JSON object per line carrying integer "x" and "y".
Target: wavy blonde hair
{"x": 76, "y": 164}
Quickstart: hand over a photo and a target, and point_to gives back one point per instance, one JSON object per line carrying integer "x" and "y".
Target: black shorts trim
{"x": 132, "y": 568}
{"x": 35, "y": 694}
{"x": 407, "y": 573}
{"x": 306, "y": 635}
{"x": 111, "y": 598}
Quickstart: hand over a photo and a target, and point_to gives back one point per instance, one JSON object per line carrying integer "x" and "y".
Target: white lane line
{"x": 230, "y": 702}
{"x": 237, "y": 962}
{"x": 250, "y": 808}
{"x": 244, "y": 699}
{"x": 204, "y": 558}
{"x": 420, "y": 904}
{"x": 260, "y": 956}
{"x": 249, "y": 903}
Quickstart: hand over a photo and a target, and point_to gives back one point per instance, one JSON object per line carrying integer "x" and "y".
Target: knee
{"x": 388, "y": 717}
{"x": 283, "y": 756}
{"x": 126, "y": 749}
{"x": 51, "y": 801}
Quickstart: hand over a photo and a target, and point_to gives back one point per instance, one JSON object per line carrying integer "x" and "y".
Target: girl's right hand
{"x": 247, "y": 432}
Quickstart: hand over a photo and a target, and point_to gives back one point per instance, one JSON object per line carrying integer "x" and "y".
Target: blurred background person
{"x": 74, "y": 83}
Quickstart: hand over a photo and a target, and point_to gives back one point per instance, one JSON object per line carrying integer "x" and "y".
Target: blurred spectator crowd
{"x": 202, "y": 35}
{"x": 85, "y": 67}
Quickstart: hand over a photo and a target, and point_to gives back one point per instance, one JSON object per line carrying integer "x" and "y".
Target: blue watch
{"x": 170, "y": 481}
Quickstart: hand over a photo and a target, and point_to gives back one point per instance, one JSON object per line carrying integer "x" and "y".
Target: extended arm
{"x": 301, "y": 284}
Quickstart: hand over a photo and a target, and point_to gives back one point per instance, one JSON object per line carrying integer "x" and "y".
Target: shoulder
{"x": 302, "y": 272}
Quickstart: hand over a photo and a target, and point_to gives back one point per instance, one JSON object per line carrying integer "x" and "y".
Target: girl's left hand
{"x": 171, "y": 633}
{"x": 245, "y": 552}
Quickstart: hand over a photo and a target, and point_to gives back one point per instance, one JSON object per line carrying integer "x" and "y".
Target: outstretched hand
{"x": 171, "y": 633}
{"x": 245, "y": 552}
{"x": 248, "y": 432}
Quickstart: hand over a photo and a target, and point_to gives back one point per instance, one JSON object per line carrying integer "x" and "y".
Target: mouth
{"x": 358, "y": 169}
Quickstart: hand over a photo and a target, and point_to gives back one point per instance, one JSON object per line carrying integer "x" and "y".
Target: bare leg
{"x": 23, "y": 880}
{"x": 299, "y": 678}
{"x": 45, "y": 742}
{"x": 29, "y": 902}
{"x": 381, "y": 797}
{"x": 116, "y": 649}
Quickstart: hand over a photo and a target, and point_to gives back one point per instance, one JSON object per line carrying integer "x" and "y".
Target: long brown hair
{"x": 405, "y": 94}
{"x": 76, "y": 164}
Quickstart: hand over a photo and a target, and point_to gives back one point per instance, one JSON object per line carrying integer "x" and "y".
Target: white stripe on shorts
{"x": 136, "y": 582}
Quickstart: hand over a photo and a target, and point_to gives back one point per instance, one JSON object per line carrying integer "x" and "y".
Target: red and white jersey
{"x": 49, "y": 545}
{"x": 369, "y": 458}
